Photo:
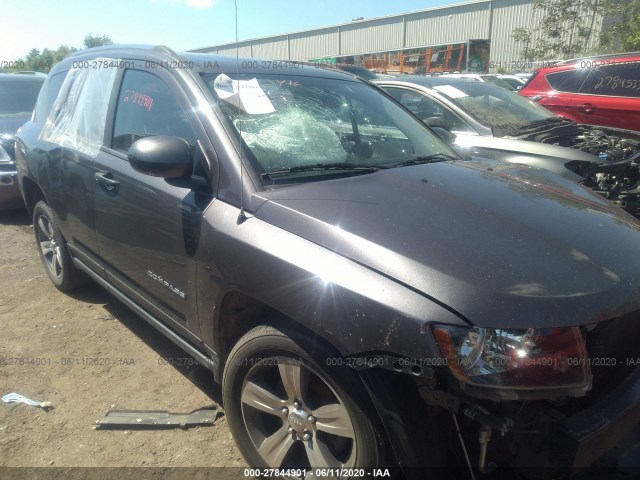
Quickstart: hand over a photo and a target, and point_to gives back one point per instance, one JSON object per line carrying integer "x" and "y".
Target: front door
{"x": 147, "y": 229}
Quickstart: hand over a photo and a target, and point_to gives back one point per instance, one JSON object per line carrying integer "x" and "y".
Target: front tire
{"x": 289, "y": 406}
{"x": 53, "y": 250}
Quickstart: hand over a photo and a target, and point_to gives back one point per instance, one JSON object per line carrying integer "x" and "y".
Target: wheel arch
{"x": 396, "y": 414}
{"x": 240, "y": 312}
{"x": 32, "y": 194}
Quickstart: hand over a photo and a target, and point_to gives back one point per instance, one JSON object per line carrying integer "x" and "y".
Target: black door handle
{"x": 106, "y": 179}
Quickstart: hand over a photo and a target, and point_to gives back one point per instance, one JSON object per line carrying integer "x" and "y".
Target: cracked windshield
{"x": 497, "y": 108}
{"x": 300, "y": 125}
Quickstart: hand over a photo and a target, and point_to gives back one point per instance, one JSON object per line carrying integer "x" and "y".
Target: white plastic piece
{"x": 451, "y": 91}
{"x": 77, "y": 118}
{"x": 244, "y": 94}
{"x": 17, "y": 398}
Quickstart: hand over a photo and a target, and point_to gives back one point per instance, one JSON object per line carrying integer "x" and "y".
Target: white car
{"x": 515, "y": 81}
{"x": 492, "y": 78}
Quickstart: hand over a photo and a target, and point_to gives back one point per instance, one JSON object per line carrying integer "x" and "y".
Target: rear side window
{"x": 48, "y": 95}
{"x": 147, "y": 106}
{"x": 78, "y": 115}
{"x": 618, "y": 80}
{"x": 568, "y": 81}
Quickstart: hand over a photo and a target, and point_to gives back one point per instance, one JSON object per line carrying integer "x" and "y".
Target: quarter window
{"x": 568, "y": 81}
{"x": 619, "y": 80}
{"x": 147, "y": 106}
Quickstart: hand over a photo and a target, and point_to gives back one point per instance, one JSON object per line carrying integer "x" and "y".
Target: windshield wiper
{"x": 358, "y": 167}
{"x": 541, "y": 123}
{"x": 437, "y": 157}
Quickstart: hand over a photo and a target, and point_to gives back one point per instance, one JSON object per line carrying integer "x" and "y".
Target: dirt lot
{"x": 87, "y": 353}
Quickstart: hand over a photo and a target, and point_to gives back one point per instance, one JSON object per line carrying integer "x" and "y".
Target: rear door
{"x": 148, "y": 230}
{"x": 610, "y": 97}
{"x": 564, "y": 85}
{"x": 72, "y": 109}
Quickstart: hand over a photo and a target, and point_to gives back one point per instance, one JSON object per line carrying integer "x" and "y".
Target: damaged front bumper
{"x": 587, "y": 435}
{"x": 544, "y": 442}
{"x": 540, "y": 439}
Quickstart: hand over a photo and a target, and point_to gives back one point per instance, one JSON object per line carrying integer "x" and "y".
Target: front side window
{"x": 292, "y": 122}
{"x": 429, "y": 110}
{"x": 147, "y": 106}
{"x": 48, "y": 95}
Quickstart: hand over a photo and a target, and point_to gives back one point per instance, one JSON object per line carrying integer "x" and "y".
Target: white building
{"x": 466, "y": 36}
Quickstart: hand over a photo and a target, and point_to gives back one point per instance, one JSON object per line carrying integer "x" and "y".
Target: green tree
{"x": 64, "y": 51}
{"x": 32, "y": 60}
{"x": 91, "y": 41}
{"x": 523, "y": 35}
{"x": 48, "y": 59}
{"x": 45, "y": 60}
{"x": 623, "y": 32}
{"x": 565, "y": 30}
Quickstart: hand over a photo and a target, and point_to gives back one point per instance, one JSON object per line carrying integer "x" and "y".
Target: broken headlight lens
{"x": 548, "y": 359}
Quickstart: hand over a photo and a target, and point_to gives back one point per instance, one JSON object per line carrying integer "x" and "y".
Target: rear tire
{"x": 289, "y": 406}
{"x": 54, "y": 252}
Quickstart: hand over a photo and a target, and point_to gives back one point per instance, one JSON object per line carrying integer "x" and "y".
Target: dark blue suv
{"x": 362, "y": 293}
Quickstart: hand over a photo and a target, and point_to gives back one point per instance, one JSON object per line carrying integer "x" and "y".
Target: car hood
{"x": 11, "y": 123}
{"x": 540, "y": 155}
{"x": 501, "y": 245}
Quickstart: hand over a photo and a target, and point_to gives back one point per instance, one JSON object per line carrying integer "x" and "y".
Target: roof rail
{"x": 164, "y": 49}
{"x": 606, "y": 55}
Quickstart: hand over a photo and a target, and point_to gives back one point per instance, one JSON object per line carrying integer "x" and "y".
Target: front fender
{"x": 354, "y": 308}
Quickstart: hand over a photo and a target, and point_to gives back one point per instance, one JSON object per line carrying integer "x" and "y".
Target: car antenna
{"x": 241, "y": 216}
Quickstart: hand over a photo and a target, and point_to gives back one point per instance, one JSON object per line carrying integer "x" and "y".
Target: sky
{"x": 178, "y": 24}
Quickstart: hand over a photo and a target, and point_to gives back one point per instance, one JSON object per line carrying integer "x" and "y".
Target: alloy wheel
{"x": 295, "y": 418}
{"x": 49, "y": 247}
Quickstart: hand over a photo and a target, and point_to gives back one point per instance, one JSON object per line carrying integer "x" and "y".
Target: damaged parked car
{"x": 366, "y": 297}
{"x": 601, "y": 90}
{"x": 489, "y": 121}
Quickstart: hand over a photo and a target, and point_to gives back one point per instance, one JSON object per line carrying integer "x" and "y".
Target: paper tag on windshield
{"x": 450, "y": 91}
{"x": 244, "y": 94}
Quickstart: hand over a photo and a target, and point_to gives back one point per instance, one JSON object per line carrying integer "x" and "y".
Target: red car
{"x": 602, "y": 90}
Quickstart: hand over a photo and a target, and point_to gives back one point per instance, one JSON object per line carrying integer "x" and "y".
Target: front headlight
{"x": 516, "y": 363}
{"x": 7, "y": 148}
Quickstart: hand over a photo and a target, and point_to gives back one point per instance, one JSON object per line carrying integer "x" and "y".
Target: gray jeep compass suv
{"x": 367, "y": 298}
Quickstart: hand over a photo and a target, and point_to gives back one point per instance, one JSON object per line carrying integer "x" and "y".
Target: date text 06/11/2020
{"x": 316, "y": 472}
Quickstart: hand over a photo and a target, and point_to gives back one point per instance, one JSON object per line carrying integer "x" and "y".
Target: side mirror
{"x": 436, "y": 122}
{"x": 444, "y": 135}
{"x": 167, "y": 157}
